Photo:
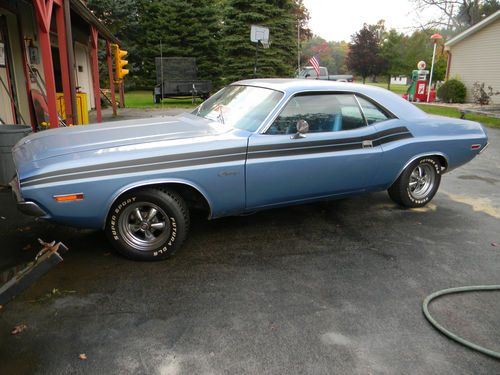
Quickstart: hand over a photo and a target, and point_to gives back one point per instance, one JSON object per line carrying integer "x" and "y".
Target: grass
{"x": 454, "y": 112}
{"x": 395, "y": 88}
{"x": 144, "y": 99}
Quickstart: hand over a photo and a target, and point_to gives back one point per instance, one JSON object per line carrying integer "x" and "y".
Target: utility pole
{"x": 298, "y": 45}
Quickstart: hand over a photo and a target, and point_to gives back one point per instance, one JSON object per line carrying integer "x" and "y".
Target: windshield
{"x": 242, "y": 107}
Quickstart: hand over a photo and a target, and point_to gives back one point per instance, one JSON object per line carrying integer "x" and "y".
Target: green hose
{"x": 451, "y": 335}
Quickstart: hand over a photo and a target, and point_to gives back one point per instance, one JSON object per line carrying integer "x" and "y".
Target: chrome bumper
{"x": 26, "y": 207}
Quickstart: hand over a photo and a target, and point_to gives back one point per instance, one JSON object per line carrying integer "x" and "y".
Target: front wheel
{"x": 148, "y": 224}
{"x": 417, "y": 184}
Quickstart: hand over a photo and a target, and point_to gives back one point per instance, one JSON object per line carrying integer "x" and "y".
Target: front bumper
{"x": 26, "y": 207}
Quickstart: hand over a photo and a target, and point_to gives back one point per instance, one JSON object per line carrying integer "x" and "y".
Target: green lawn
{"x": 144, "y": 99}
{"x": 454, "y": 112}
{"x": 397, "y": 89}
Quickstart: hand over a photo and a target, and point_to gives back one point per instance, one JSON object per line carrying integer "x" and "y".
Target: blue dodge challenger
{"x": 253, "y": 145}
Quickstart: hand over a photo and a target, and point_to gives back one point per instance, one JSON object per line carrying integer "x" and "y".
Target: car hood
{"x": 70, "y": 140}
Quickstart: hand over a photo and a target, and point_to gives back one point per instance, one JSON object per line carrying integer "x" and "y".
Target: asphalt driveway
{"x": 328, "y": 288}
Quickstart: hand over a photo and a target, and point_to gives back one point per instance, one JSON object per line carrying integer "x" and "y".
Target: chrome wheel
{"x": 422, "y": 180}
{"x": 144, "y": 226}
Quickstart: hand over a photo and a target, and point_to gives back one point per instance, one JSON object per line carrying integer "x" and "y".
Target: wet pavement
{"x": 328, "y": 288}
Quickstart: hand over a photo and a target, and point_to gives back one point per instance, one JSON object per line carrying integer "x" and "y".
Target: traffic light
{"x": 120, "y": 63}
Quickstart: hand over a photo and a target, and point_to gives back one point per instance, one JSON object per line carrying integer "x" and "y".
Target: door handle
{"x": 367, "y": 144}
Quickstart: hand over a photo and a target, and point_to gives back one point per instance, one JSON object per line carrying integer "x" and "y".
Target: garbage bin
{"x": 9, "y": 136}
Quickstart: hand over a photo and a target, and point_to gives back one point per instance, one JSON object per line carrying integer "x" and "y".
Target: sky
{"x": 336, "y": 20}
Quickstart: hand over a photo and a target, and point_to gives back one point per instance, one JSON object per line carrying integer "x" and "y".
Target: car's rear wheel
{"x": 148, "y": 224}
{"x": 417, "y": 184}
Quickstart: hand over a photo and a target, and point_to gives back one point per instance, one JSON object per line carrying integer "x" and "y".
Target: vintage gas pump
{"x": 418, "y": 88}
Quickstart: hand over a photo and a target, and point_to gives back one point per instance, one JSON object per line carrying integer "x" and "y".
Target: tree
{"x": 184, "y": 28}
{"x": 363, "y": 56}
{"x": 393, "y": 52}
{"x": 239, "y": 52}
{"x": 457, "y": 15}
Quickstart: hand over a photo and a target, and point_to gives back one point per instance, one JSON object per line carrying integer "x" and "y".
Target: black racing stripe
{"x": 371, "y": 137}
{"x": 134, "y": 169}
{"x": 144, "y": 161}
{"x": 351, "y": 144}
{"x": 305, "y": 151}
{"x": 218, "y": 156}
{"x": 392, "y": 138}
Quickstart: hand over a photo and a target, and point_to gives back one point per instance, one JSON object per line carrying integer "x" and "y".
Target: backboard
{"x": 259, "y": 33}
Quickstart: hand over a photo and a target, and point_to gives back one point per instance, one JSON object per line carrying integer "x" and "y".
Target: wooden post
{"x": 111, "y": 78}
{"x": 43, "y": 9}
{"x": 122, "y": 96}
{"x": 95, "y": 72}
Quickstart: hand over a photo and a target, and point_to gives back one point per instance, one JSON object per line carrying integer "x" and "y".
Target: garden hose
{"x": 451, "y": 335}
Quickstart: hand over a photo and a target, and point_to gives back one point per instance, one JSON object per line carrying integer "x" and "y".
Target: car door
{"x": 336, "y": 156}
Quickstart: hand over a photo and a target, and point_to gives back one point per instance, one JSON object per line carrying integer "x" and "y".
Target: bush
{"x": 452, "y": 91}
{"x": 480, "y": 95}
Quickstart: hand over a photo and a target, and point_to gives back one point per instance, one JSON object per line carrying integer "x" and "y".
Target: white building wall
{"x": 477, "y": 59}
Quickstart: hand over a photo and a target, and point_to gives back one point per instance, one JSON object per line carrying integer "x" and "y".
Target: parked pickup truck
{"x": 308, "y": 72}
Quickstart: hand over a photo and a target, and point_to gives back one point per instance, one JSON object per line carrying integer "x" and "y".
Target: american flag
{"x": 314, "y": 61}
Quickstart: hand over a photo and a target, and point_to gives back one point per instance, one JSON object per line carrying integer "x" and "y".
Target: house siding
{"x": 477, "y": 59}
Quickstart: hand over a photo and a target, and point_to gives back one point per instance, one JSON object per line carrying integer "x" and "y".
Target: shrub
{"x": 480, "y": 95}
{"x": 452, "y": 91}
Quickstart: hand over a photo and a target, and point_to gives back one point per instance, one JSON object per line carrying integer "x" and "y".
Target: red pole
{"x": 44, "y": 14}
{"x": 65, "y": 71}
{"x": 95, "y": 72}
{"x": 111, "y": 78}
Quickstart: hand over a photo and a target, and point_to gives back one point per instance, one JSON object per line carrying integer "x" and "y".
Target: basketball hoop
{"x": 265, "y": 43}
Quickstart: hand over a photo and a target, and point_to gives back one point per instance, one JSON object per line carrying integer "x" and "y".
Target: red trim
{"x": 111, "y": 78}
{"x": 65, "y": 71}
{"x": 44, "y": 14}
{"x": 95, "y": 71}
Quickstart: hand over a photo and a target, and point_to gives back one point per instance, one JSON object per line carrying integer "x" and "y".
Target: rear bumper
{"x": 26, "y": 207}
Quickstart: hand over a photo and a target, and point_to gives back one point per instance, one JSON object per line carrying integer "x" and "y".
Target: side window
{"x": 323, "y": 113}
{"x": 372, "y": 113}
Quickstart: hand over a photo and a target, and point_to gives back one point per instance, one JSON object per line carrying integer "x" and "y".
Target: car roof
{"x": 387, "y": 99}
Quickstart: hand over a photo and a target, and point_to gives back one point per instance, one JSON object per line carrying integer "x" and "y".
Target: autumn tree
{"x": 364, "y": 53}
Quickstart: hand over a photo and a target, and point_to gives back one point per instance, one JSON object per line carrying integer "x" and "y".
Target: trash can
{"x": 9, "y": 136}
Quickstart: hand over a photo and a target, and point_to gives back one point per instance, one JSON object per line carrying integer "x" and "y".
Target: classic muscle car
{"x": 253, "y": 145}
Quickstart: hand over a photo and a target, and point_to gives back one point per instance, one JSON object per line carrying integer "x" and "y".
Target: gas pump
{"x": 418, "y": 88}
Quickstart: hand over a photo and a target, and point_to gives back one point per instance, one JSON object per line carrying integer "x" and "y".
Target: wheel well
{"x": 442, "y": 161}
{"x": 193, "y": 198}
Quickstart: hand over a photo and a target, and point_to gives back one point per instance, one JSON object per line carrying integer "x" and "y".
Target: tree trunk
{"x": 389, "y": 82}
{"x": 364, "y": 79}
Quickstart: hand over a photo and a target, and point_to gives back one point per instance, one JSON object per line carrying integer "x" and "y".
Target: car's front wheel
{"x": 148, "y": 224}
{"x": 418, "y": 183}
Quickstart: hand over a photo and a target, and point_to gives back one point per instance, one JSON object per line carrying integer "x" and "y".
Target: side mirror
{"x": 302, "y": 128}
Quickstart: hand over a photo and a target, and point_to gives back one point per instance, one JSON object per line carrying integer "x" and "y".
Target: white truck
{"x": 308, "y": 72}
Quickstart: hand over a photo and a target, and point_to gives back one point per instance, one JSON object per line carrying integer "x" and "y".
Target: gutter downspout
{"x": 448, "y": 64}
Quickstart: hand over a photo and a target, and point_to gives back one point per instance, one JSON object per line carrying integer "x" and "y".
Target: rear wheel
{"x": 148, "y": 224}
{"x": 417, "y": 184}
